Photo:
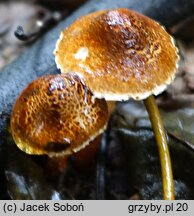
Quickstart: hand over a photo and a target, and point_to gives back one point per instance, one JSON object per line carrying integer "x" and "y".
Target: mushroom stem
{"x": 161, "y": 138}
{"x": 111, "y": 107}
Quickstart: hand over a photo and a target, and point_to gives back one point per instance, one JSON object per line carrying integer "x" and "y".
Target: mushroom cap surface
{"x": 120, "y": 53}
{"x": 57, "y": 115}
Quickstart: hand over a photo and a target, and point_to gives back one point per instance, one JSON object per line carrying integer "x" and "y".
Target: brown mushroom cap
{"x": 120, "y": 53}
{"x": 57, "y": 115}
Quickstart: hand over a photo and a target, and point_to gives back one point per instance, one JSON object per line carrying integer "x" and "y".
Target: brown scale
{"x": 56, "y": 115}
{"x": 132, "y": 52}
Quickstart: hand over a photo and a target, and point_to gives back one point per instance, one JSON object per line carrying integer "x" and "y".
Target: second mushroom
{"x": 56, "y": 115}
{"x": 122, "y": 54}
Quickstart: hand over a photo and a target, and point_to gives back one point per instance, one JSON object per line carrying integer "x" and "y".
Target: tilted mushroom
{"x": 57, "y": 115}
{"x": 123, "y": 54}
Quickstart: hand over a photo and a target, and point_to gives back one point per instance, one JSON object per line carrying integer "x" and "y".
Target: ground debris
{"x": 13, "y": 14}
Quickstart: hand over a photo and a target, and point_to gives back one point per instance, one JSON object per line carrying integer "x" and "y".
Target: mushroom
{"x": 122, "y": 54}
{"x": 57, "y": 115}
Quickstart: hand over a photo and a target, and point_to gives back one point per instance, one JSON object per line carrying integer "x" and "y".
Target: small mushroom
{"x": 123, "y": 54}
{"x": 57, "y": 115}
